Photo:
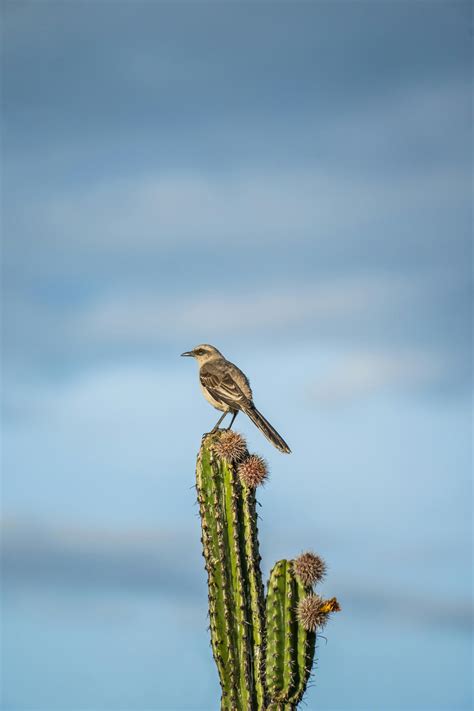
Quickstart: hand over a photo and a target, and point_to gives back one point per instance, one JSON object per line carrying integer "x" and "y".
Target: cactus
{"x": 263, "y": 650}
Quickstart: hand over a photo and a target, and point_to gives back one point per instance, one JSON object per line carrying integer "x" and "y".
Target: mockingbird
{"x": 228, "y": 389}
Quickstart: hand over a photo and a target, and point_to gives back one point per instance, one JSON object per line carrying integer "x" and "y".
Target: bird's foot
{"x": 212, "y": 432}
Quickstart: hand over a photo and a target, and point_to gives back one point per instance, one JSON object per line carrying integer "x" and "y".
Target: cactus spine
{"x": 263, "y": 650}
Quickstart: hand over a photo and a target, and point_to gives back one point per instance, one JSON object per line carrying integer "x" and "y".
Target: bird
{"x": 228, "y": 389}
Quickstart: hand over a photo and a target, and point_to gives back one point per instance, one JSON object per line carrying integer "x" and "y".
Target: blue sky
{"x": 288, "y": 181}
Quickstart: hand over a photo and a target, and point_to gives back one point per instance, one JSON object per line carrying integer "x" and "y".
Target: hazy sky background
{"x": 288, "y": 181}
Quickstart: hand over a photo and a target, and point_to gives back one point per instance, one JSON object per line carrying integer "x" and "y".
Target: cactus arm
{"x": 290, "y": 648}
{"x": 281, "y": 634}
{"x": 275, "y": 635}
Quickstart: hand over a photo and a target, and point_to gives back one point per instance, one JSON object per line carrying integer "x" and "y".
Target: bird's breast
{"x": 214, "y": 403}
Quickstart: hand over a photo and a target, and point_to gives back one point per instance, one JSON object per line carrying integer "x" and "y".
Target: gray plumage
{"x": 227, "y": 389}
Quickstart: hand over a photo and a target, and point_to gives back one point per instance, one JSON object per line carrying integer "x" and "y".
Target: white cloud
{"x": 327, "y": 203}
{"x": 132, "y": 249}
{"x": 331, "y": 304}
{"x": 372, "y": 317}
{"x": 363, "y": 373}
{"x": 154, "y": 213}
{"x": 408, "y": 119}
{"x": 37, "y": 553}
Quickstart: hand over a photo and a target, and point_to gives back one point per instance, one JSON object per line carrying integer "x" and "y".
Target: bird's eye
{"x": 199, "y": 351}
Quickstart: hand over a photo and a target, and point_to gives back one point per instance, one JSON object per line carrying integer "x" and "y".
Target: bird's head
{"x": 203, "y": 353}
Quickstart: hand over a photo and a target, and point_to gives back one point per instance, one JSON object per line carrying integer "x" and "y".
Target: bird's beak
{"x": 188, "y": 353}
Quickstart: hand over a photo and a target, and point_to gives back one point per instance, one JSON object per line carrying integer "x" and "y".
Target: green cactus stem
{"x": 236, "y": 598}
{"x": 291, "y": 629}
{"x": 282, "y": 634}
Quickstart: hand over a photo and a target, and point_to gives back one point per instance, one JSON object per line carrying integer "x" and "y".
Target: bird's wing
{"x": 221, "y": 385}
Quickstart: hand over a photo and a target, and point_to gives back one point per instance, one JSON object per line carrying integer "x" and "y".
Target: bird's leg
{"x": 233, "y": 418}
{"x": 216, "y": 426}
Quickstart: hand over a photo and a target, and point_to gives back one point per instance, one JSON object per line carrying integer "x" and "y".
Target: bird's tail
{"x": 265, "y": 427}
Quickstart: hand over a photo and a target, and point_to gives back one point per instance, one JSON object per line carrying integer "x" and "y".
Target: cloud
{"x": 154, "y": 561}
{"x": 345, "y": 228}
{"x": 142, "y": 258}
{"x": 368, "y": 314}
{"x": 360, "y": 374}
{"x": 146, "y": 560}
{"x": 150, "y": 215}
{"x": 418, "y": 129}
{"x": 284, "y": 308}
{"x": 411, "y": 608}
{"x": 216, "y": 77}
{"x": 387, "y": 184}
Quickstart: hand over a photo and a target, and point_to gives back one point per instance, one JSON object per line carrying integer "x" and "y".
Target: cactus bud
{"x": 253, "y": 471}
{"x": 313, "y": 611}
{"x": 310, "y": 568}
{"x": 230, "y": 446}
